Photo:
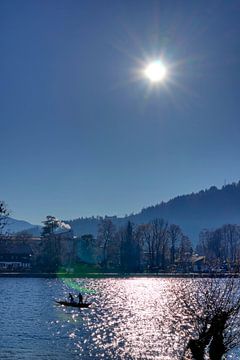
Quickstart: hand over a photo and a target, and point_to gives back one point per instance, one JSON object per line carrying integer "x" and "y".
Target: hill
{"x": 208, "y": 208}
{"x": 15, "y": 226}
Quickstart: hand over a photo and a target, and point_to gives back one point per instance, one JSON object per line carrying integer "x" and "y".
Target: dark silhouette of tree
{"x": 150, "y": 241}
{"x": 4, "y": 213}
{"x": 185, "y": 252}
{"x": 49, "y": 259}
{"x": 208, "y": 311}
{"x": 159, "y": 242}
{"x": 107, "y": 241}
{"x": 221, "y": 247}
{"x": 174, "y": 233}
{"x": 49, "y": 225}
{"x": 160, "y": 245}
{"x": 143, "y": 236}
{"x": 129, "y": 250}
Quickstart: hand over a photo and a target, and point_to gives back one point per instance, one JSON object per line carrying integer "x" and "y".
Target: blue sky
{"x": 84, "y": 133}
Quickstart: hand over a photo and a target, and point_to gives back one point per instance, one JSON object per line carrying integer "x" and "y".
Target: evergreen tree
{"x": 49, "y": 225}
{"x": 49, "y": 260}
{"x": 130, "y": 250}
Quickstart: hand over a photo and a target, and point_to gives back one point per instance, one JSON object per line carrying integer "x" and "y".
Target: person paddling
{"x": 80, "y": 298}
{"x": 70, "y": 297}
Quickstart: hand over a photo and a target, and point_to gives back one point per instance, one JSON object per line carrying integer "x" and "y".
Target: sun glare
{"x": 155, "y": 71}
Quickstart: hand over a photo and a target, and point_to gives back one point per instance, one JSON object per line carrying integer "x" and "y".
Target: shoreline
{"x": 117, "y": 275}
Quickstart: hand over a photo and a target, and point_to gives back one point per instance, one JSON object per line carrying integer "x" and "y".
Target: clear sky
{"x": 83, "y": 132}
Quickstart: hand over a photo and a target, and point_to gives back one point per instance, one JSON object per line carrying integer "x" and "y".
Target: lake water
{"x": 128, "y": 319}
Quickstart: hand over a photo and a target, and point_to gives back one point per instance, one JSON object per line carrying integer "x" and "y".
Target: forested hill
{"x": 206, "y": 209}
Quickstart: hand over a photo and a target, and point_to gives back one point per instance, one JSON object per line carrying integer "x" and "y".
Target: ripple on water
{"x": 128, "y": 319}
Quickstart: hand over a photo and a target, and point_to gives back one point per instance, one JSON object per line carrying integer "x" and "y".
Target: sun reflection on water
{"x": 128, "y": 319}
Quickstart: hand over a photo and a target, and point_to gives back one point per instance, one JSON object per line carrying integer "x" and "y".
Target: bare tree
{"x": 162, "y": 244}
{"x": 143, "y": 236}
{"x": 231, "y": 240}
{"x": 159, "y": 241}
{"x": 175, "y": 233}
{"x": 184, "y": 252}
{"x": 4, "y": 213}
{"x": 106, "y": 239}
{"x": 221, "y": 246}
{"x": 209, "y": 313}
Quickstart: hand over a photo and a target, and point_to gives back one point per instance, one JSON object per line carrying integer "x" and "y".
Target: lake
{"x": 128, "y": 319}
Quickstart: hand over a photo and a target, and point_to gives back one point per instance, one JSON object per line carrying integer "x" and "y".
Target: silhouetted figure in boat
{"x": 80, "y": 298}
{"x": 70, "y": 297}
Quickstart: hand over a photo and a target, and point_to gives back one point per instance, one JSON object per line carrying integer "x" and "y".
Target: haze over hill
{"x": 15, "y": 226}
{"x": 206, "y": 209}
{"x": 209, "y": 208}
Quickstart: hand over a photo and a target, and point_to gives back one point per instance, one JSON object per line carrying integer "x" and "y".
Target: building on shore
{"x": 15, "y": 256}
{"x": 19, "y": 252}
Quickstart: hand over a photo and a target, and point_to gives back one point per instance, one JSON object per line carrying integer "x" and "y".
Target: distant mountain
{"x": 15, "y": 226}
{"x": 209, "y": 208}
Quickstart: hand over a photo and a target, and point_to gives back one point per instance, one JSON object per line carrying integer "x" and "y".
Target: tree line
{"x": 156, "y": 246}
{"x": 221, "y": 247}
{"x": 205, "y": 312}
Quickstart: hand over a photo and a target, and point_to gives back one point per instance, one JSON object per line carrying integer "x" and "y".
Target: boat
{"x": 73, "y": 304}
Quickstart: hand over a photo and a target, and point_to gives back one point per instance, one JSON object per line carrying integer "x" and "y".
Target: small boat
{"x": 73, "y": 304}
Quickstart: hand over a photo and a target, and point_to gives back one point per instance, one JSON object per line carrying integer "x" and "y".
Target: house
{"x": 198, "y": 263}
{"x": 15, "y": 256}
{"x": 16, "y": 251}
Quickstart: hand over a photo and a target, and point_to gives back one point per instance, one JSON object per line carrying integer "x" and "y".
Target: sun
{"x": 156, "y": 71}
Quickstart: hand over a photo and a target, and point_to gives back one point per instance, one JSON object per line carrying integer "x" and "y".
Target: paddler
{"x": 70, "y": 297}
{"x": 80, "y": 298}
